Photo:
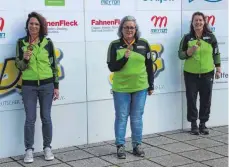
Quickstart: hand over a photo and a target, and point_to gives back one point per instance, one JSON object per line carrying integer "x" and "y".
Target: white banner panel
{"x": 217, "y": 19}
{"x": 162, "y": 107}
{"x": 102, "y": 26}
{"x": 12, "y": 5}
{"x": 101, "y": 130}
{"x": 12, "y": 26}
{"x": 12, "y": 127}
{"x": 154, "y": 5}
{"x": 222, "y": 83}
{"x": 159, "y": 24}
{"x": 109, "y": 5}
{"x": 167, "y": 68}
{"x": 72, "y": 75}
{"x": 65, "y": 26}
{"x": 51, "y": 5}
{"x": 98, "y": 85}
{"x": 223, "y": 47}
{"x": 204, "y": 4}
{"x": 10, "y": 97}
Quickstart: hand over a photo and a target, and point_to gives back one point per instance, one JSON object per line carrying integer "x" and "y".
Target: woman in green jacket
{"x": 36, "y": 60}
{"x": 130, "y": 59}
{"x": 199, "y": 49}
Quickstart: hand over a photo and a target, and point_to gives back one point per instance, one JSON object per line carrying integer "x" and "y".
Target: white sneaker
{"x": 28, "y": 156}
{"x": 48, "y": 154}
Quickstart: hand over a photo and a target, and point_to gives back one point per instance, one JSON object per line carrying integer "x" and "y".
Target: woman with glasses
{"x": 129, "y": 58}
{"x": 199, "y": 49}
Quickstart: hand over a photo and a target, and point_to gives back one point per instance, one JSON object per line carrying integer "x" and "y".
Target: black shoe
{"x": 138, "y": 151}
{"x": 121, "y": 154}
{"x": 194, "y": 128}
{"x": 203, "y": 129}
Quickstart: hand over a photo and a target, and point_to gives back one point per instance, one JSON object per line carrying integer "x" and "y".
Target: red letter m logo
{"x": 210, "y": 20}
{"x": 161, "y": 20}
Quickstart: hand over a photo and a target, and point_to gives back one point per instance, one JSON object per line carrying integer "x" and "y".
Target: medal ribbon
{"x": 198, "y": 41}
{"x": 129, "y": 44}
{"x": 30, "y": 47}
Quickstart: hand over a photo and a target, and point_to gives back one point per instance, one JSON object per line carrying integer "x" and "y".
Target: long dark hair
{"x": 206, "y": 28}
{"x": 43, "y": 24}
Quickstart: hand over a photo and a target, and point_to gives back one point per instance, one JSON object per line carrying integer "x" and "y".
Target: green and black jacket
{"x": 206, "y": 57}
{"x": 42, "y": 66}
{"x": 134, "y": 73}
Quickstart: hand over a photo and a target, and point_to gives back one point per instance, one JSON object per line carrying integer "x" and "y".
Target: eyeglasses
{"x": 129, "y": 28}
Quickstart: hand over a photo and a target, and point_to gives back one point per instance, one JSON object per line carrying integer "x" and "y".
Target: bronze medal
{"x": 30, "y": 47}
{"x": 198, "y": 42}
{"x": 31, "y": 41}
{"x": 130, "y": 47}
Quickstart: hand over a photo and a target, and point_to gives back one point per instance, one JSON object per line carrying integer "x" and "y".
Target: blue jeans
{"x": 45, "y": 95}
{"x": 129, "y": 104}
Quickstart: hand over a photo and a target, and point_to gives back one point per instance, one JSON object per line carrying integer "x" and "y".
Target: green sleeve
{"x": 183, "y": 48}
{"x": 20, "y": 62}
{"x": 54, "y": 66}
{"x": 216, "y": 53}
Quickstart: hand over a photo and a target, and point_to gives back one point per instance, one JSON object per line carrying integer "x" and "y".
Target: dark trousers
{"x": 202, "y": 84}
{"x": 44, "y": 93}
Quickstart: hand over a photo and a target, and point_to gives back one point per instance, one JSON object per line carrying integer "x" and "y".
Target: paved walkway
{"x": 176, "y": 148}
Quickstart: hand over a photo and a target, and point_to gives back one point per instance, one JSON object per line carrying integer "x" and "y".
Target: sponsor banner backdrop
{"x": 73, "y": 72}
{"x": 72, "y": 75}
{"x": 167, "y": 67}
{"x": 222, "y": 83}
{"x": 223, "y": 47}
{"x": 12, "y": 26}
{"x": 204, "y": 4}
{"x": 109, "y": 5}
{"x": 98, "y": 74}
{"x": 51, "y": 5}
{"x": 102, "y": 26}
{"x": 12, "y": 5}
{"x": 217, "y": 20}
{"x": 10, "y": 97}
{"x": 159, "y": 24}
{"x": 65, "y": 26}
{"x": 153, "y": 5}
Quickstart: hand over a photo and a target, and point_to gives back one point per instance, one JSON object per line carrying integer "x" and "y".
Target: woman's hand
{"x": 218, "y": 73}
{"x": 127, "y": 53}
{"x": 56, "y": 94}
{"x": 150, "y": 92}
{"x": 27, "y": 55}
{"x": 191, "y": 50}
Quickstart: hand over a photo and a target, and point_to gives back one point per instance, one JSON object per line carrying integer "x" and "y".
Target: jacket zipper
{"x": 200, "y": 60}
{"x": 38, "y": 81}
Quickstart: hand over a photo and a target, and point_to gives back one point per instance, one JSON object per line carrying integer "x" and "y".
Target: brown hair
{"x": 205, "y": 28}
{"x": 43, "y": 24}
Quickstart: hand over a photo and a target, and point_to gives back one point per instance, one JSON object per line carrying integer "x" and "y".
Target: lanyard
{"x": 129, "y": 45}
{"x": 198, "y": 41}
{"x": 30, "y": 47}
